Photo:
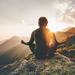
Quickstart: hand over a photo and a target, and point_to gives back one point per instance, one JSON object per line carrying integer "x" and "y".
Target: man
{"x": 45, "y": 42}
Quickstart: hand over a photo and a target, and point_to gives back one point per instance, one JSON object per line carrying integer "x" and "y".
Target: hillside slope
{"x": 65, "y": 35}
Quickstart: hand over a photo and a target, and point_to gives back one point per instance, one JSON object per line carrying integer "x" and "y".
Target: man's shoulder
{"x": 35, "y": 30}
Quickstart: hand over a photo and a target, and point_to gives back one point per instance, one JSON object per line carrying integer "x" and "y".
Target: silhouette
{"x": 42, "y": 42}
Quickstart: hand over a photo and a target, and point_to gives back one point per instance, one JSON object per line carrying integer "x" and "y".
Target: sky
{"x": 20, "y": 17}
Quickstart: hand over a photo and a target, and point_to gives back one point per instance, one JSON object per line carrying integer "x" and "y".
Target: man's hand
{"x": 51, "y": 44}
{"x": 23, "y": 42}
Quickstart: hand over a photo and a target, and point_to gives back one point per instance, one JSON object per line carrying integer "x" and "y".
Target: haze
{"x": 20, "y": 17}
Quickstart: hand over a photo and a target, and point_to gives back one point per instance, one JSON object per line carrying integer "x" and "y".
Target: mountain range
{"x": 12, "y": 49}
{"x": 65, "y": 34}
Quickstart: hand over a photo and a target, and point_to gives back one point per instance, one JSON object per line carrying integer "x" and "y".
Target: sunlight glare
{"x": 55, "y": 25}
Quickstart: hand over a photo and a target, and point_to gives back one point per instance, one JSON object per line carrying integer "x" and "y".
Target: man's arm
{"x": 31, "y": 40}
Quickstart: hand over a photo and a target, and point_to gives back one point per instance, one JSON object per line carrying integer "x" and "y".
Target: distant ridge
{"x": 2, "y": 41}
{"x": 66, "y": 29}
{"x": 71, "y": 30}
{"x": 63, "y": 36}
{"x": 14, "y": 54}
{"x": 12, "y": 50}
{"x": 10, "y": 43}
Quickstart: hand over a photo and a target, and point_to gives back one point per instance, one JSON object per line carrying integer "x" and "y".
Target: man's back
{"x": 44, "y": 40}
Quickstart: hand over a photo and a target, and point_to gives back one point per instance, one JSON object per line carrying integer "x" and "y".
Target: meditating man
{"x": 42, "y": 42}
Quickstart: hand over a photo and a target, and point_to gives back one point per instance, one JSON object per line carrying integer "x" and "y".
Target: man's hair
{"x": 42, "y": 21}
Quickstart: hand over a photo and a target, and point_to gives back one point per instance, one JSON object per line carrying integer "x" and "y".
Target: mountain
{"x": 12, "y": 50}
{"x": 65, "y": 35}
{"x": 14, "y": 54}
{"x": 10, "y": 43}
{"x": 67, "y": 48}
{"x": 13, "y": 62}
{"x": 2, "y": 41}
{"x": 70, "y": 32}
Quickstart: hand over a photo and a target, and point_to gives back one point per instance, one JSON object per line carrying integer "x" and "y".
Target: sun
{"x": 55, "y": 25}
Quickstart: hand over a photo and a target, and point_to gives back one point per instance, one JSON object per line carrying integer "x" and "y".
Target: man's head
{"x": 42, "y": 21}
